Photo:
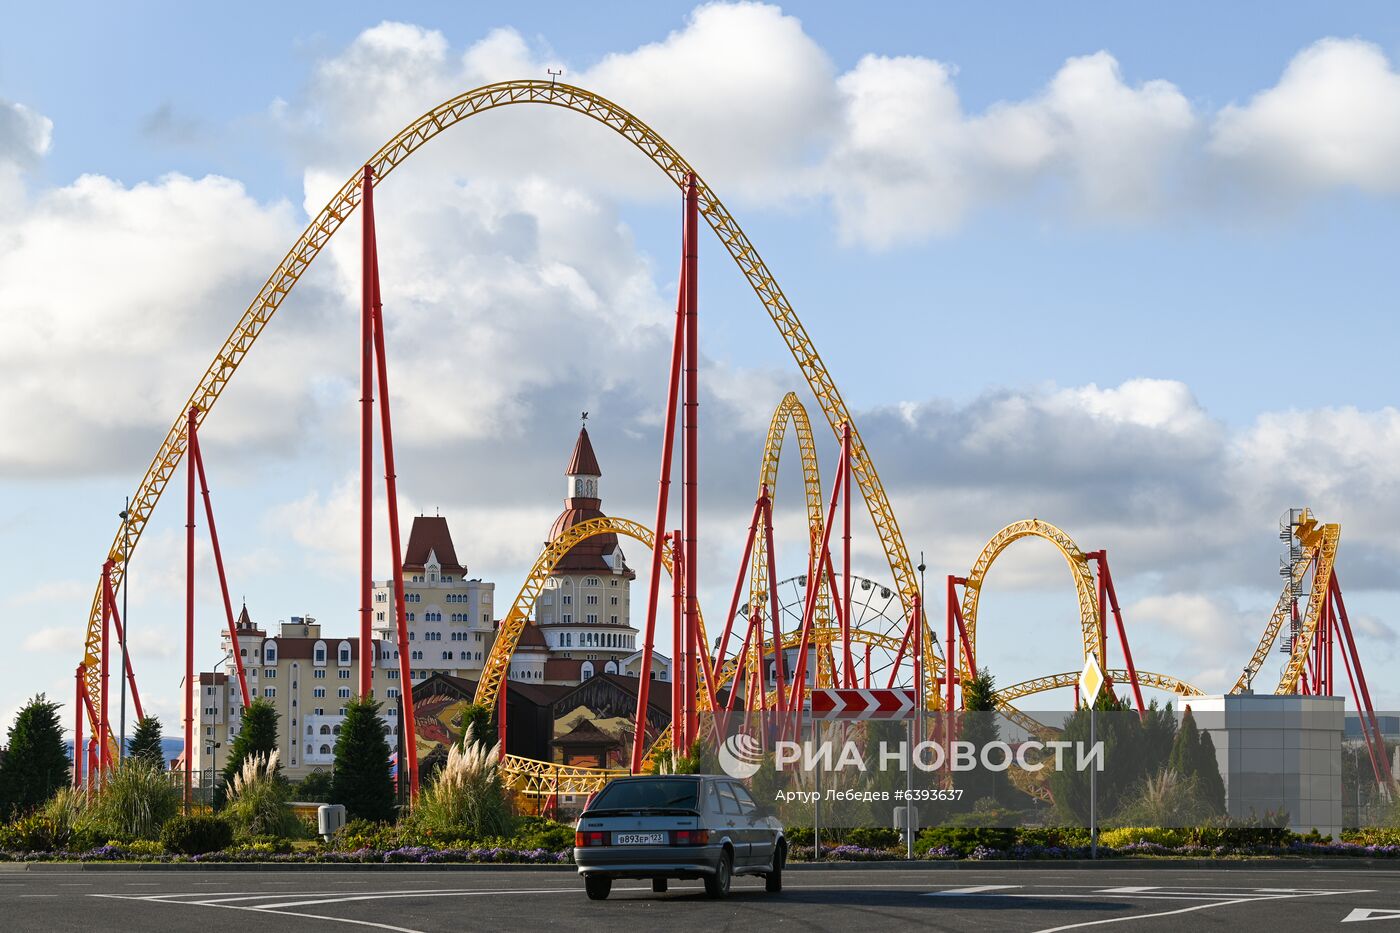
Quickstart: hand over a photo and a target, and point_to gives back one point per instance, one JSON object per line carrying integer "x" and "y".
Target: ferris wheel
{"x": 878, "y": 629}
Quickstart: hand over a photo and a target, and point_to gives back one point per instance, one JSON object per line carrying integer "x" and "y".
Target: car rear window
{"x": 647, "y": 795}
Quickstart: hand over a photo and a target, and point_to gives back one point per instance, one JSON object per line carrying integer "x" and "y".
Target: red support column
{"x": 681, "y": 638}
{"x": 779, "y": 658}
{"x": 78, "y": 728}
{"x": 739, "y": 583}
{"x": 690, "y": 445}
{"x": 741, "y": 672}
{"x": 198, "y": 458}
{"x": 366, "y": 686}
{"x": 950, "y": 648}
{"x": 850, "y": 671}
{"x": 1106, "y": 582}
{"x": 409, "y": 725}
{"x": 795, "y": 700}
{"x": 92, "y": 773}
{"x": 191, "y": 444}
{"x": 1365, "y": 707}
{"x": 111, "y": 599}
{"x": 104, "y": 729}
{"x": 668, "y": 443}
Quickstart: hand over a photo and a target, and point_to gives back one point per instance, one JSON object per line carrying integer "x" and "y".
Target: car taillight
{"x": 583, "y": 840}
{"x": 690, "y": 837}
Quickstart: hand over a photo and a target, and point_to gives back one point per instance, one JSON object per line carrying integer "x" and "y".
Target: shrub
{"x": 1373, "y": 836}
{"x": 70, "y": 823}
{"x": 314, "y": 788}
{"x": 963, "y": 840}
{"x": 1127, "y": 835}
{"x": 366, "y": 834}
{"x": 257, "y": 799}
{"x": 136, "y": 800}
{"x": 195, "y": 835}
{"x": 872, "y": 837}
{"x": 1060, "y": 837}
{"x": 537, "y": 832}
{"x": 468, "y": 799}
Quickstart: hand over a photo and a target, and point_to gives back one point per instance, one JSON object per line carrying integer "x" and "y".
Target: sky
{"x": 1124, "y": 270}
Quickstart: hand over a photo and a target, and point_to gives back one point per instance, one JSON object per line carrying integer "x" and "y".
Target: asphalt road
{"x": 1131, "y": 901}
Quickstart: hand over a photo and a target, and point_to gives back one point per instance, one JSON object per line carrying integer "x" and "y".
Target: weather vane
{"x": 583, "y": 416}
{"x": 553, "y": 75}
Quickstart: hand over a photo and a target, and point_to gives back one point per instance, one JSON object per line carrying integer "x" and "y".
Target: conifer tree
{"x": 362, "y": 780}
{"x": 257, "y": 735}
{"x": 145, "y": 742}
{"x": 36, "y": 760}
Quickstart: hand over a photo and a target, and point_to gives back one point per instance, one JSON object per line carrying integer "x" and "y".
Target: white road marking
{"x": 1192, "y": 909}
{"x": 975, "y": 889}
{"x": 1371, "y": 913}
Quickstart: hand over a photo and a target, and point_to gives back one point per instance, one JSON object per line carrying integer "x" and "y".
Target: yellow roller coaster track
{"x": 497, "y": 665}
{"x": 1078, "y": 566}
{"x": 1319, "y": 553}
{"x": 1008, "y": 695}
{"x": 323, "y": 226}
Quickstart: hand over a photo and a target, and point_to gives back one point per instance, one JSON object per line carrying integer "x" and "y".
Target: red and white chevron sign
{"x": 862, "y": 704}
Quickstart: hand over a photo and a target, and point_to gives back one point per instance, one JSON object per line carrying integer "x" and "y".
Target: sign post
{"x": 1090, "y": 683}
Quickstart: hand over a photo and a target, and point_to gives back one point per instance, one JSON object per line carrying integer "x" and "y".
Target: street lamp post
{"x": 125, "y": 516}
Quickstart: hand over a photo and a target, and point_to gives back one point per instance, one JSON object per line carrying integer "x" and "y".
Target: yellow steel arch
{"x": 323, "y": 226}
{"x": 790, "y": 409}
{"x": 508, "y": 635}
{"x": 1008, "y": 695}
{"x": 1078, "y": 565}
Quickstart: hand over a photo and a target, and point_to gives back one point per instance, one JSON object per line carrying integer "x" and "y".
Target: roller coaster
{"x": 780, "y": 638}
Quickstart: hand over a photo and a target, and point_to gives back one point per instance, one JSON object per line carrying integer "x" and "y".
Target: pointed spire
{"x": 583, "y": 462}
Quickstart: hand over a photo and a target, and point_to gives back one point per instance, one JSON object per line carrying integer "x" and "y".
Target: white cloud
{"x": 910, "y": 161}
{"x": 24, "y": 135}
{"x": 1332, "y": 120}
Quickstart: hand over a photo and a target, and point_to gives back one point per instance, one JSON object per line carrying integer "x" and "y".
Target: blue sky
{"x": 1126, "y": 272}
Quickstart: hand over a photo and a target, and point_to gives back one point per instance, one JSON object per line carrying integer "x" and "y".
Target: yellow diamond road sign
{"x": 1090, "y": 681}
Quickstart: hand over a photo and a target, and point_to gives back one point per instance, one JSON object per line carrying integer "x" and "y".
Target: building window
{"x": 269, "y": 692}
{"x": 344, "y": 675}
{"x": 320, "y": 675}
{"x": 270, "y": 673}
{"x": 319, "y": 692}
{"x": 591, "y": 599}
{"x": 566, "y": 599}
{"x": 343, "y": 693}
{"x": 612, "y": 600}
{"x": 326, "y": 750}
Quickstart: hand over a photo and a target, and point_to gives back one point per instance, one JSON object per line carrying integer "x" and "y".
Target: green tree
{"x": 1118, "y": 727}
{"x": 36, "y": 761}
{"x": 1208, "y": 775}
{"x": 362, "y": 779}
{"x": 978, "y": 724}
{"x": 314, "y": 788}
{"x": 478, "y": 722}
{"x": 144, "y": 743}
{"x": 1186, "y": 749}
{"x": 257, "y": 735}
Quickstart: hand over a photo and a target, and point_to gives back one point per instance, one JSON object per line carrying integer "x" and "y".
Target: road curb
{"x": 1100, "y": 864}
{"x": 916, "y": 865}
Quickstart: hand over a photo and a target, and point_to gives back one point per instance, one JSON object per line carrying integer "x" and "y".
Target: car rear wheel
{"x": 658, "y": 885}
{"x": 598, "y": 887}
{"x": 717, "y": 885}
{"x": 773, "y": 881}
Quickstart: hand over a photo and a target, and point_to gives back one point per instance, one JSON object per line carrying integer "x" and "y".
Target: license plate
{"x": 640, "y": 839}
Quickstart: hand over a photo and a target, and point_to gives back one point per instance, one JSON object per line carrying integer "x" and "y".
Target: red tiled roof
{"x": 562, "y": 669}
{"x": 213, "y": 678}
{"x": 430, "y": 535}
{"x": 532, "y": 637}
{"x": 583, "y": 462}
{"x": 305, "y": 648}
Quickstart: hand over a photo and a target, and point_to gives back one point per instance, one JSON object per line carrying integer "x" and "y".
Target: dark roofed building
{"x": 428, "y": 538}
